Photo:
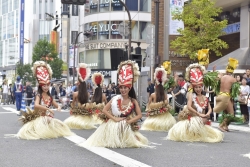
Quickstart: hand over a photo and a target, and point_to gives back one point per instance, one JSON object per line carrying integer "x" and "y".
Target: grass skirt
{"x": 160, "y": 122}
{"x": 80, "y": 122}
{"x": 194, "y": 130}
{"x": 115, "y": 135}
{"x": 97, "y": 120}
{"x": 43, "y": 127}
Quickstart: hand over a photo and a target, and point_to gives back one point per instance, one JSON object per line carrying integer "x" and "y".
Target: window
{"x": 134, "y": 30}
{"x": 145, "y": 5}
{"x": 143, "y": 30}
{"x": 114, "y": 30}
{"x": 93, "y": 7}
{"x": 94, "y": 27}
{"x": 10, "y": 27}
{"x": 132, "y": 5}
{"x": 103, "y": 30}
{"x": 4, "y": 6}
{"x": 116, "y": 5}
{"x": 97, "y": 59}
{"x": 104, "y": 5}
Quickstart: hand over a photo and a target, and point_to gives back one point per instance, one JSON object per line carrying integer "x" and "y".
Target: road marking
{"x": 234, "y": 127}
{"x": 246, "y": 155}
{"x": 11, "y": 110}
{"x": 6, "y": 113}
{"x": 108, "y": 154}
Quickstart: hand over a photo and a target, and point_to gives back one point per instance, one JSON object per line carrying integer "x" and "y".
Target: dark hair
{"x": 97, "y": 97}
{"x": 82, "y": 93}
{"x": 243, "y": 78}
{"x": 40, "y": 91}
{"x": 159, "y": 92}
{"x": 131, "y": 93}
{"x": 181, "y": 76}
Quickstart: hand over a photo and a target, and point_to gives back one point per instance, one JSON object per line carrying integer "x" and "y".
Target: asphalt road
{"x": 63, "y": 152}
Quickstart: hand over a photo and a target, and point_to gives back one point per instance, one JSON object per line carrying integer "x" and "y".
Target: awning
{"x": 241, "y": 54}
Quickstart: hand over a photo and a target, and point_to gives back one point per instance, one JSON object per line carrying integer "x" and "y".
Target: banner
{"x": 21, "y": 32}
{"x": 174, "y": 25}
{"x": 71, "y": 56}
{"x": 54, "y": 39}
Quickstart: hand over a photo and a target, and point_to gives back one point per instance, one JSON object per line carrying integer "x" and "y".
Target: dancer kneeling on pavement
{"x": 98, "y": 97}
{"x": 159, "y": 118}
{"x": 81, "y": 110}
{"x": 122, "y": 112}
{"x": 40, "y": 124}
{"x": 193, "y": 120}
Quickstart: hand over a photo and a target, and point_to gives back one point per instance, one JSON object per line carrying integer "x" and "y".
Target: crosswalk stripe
{"x": 109, "y": 154}
{"x": 11, "y": 110}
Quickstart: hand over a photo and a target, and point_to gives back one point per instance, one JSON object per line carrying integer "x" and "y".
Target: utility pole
{"x": 129, "y": 29}
{"x": 157, "y": 2}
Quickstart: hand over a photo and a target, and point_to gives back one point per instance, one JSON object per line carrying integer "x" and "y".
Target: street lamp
{"x": 74, "y": 63}
{"x": 88, "y": 34}
{"x": 129, "y": 28}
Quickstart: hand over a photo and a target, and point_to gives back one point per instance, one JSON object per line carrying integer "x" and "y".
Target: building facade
{"x": 22, "y": 24}
{"x": 104, "y": 50}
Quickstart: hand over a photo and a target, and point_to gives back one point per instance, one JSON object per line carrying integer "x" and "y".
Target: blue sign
{"x": 232, "y": 28}
{"x": 21, "y": 31}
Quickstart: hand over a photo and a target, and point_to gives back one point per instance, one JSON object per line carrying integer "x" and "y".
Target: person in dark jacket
{"x": 29, "y": 92}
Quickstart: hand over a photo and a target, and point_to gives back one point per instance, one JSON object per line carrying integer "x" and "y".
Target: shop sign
{"x": 181, "y": 63}
{"x": 232, "y": 28}
{"x": 103, "y": 29}
{"x": 103, "y": 45}
{"x": 106, "y": 73}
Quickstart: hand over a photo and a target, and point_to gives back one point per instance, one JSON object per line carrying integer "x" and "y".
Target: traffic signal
{"x": 137, "y": 58}
{"x": 74, "y": 2}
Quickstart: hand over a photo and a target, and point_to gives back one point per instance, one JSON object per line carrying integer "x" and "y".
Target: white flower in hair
{"x": 160, "y": 75}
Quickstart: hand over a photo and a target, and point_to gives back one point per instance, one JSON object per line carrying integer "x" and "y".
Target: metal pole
{"x": 166, "y": 31}
{"x": 156, "y": 28}
{"x": 74, "y": 63}
{"x": 129, "y": 28}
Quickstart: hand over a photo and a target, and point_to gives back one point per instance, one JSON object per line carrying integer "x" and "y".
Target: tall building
{"x": 22, "y": 24}
{"x": 104, "y": 50}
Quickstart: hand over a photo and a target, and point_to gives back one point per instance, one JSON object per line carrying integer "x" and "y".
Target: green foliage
{"x": 228, "y": 118}
{"x": 64, "y": 67}
{"x": 170, "y": 83}
{"x": 46, "y": 51}
{"x": 25, "y": 72}
{"x": 211, "y": 79}
{"x": 235, "y": 91}
{"x": 201, "y": 29}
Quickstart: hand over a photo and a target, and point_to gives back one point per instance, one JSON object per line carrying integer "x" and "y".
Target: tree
{"x": 201, "y": 29}
{"x": 25, "y": 72}
{"x": 46, "y": 51}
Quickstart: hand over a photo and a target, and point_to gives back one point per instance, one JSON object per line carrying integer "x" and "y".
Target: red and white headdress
{"x": 128, "y": 73}
{"x": 97, "y": 78}
{"x": 194, "y": 74}
{"x": 42, "y": 72}
{"x": 83, "y": 72}
{"x": 160, "y": 75}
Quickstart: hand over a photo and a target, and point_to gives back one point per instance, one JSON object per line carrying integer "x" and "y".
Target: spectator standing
{"x": 18, "y": 89}
{"x": 244, "y": 91}
{"x": 109, "y": 92}
{"x": 53, "y": 90}
{"x": 5, "y": 89}
{"x": 29, "y": 93}
{"x": 11, "y": 96}
{"x": 150, "y": 88}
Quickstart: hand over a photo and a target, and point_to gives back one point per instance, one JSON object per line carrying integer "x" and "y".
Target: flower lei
{"x": 127, "y": 111}
{"x": 198, "y": 105}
